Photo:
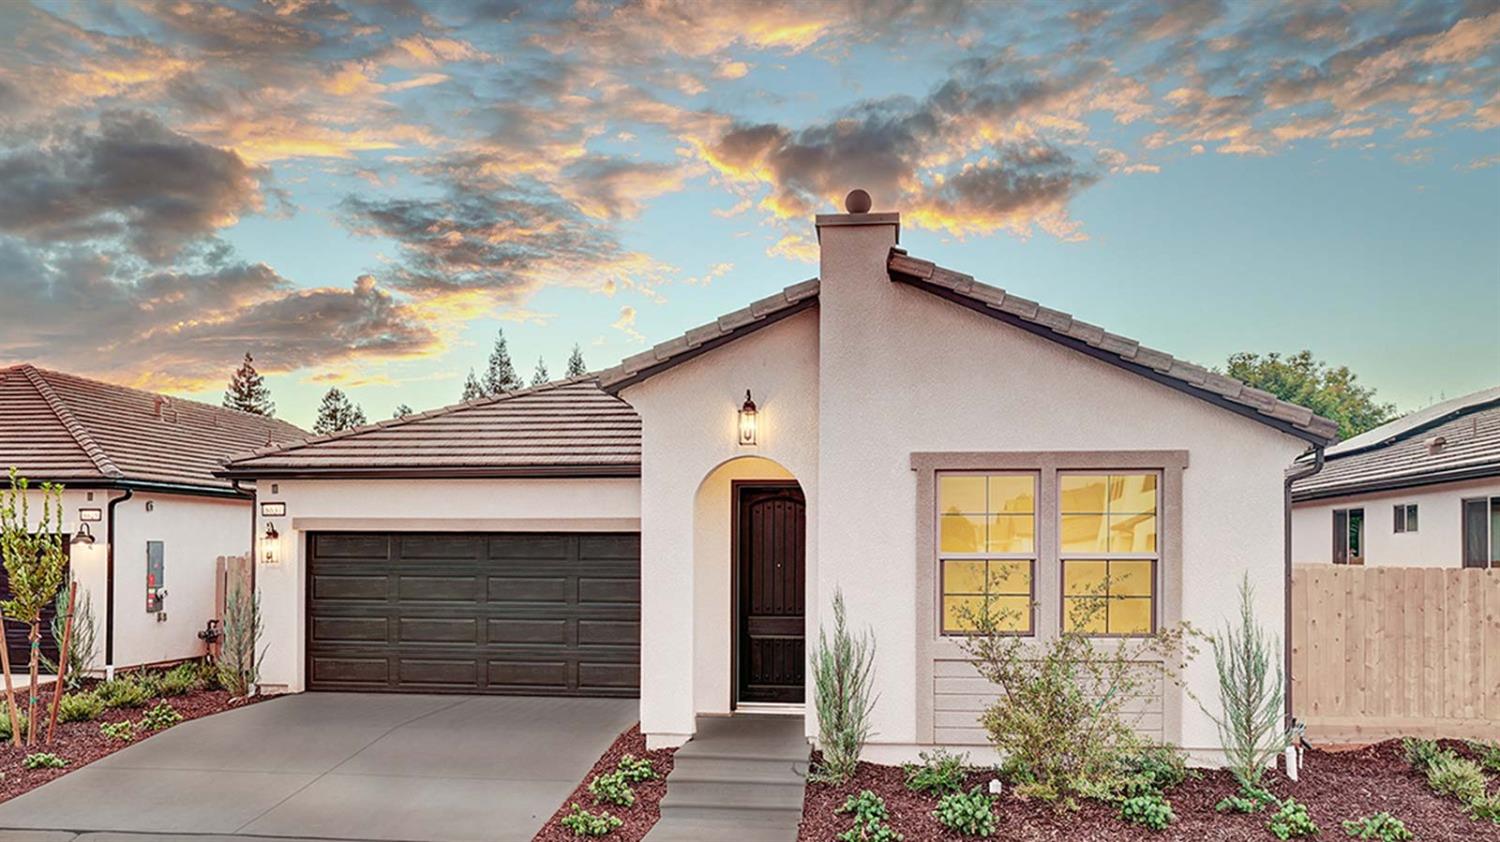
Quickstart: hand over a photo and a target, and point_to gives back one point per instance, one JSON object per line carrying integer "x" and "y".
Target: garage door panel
{"x": 547, "y": 613}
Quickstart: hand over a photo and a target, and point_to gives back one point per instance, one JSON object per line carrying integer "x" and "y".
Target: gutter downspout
{"x": 109, "y": 586}
{"x": 1286, "y": 634}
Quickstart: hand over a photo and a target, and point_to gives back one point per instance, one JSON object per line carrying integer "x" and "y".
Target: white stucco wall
{"x": 1438, "y": 541}
{"x": 688, "y": 416}
{"x": 450, "y": 505}
{"x": 904, "y": 371}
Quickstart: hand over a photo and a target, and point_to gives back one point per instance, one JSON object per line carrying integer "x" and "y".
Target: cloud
{"x": 607, "y": 187}
{"x": 626, "y": 324}
{"x": 130, "y": 177}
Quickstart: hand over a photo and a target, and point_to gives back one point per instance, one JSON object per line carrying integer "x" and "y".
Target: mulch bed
{"x": 638, "y": 817}
{"x": 1334, "y": 785}
{"x": 80, "y": 743}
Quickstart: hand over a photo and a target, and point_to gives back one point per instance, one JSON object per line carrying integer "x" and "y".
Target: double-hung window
{"x": 1406, "y": 518}
{"x": 1482, "y": 532}
{"x": 1109, "y": 552}
{"x": 987, "y": 550}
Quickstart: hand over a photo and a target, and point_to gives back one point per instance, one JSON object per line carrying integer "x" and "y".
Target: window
{"x": 987, "y": 549}
{"x": 1348, "y": 536}
{"x": 1406, "y": 517}
{"x": 1482, "y": 532}
{"x": 1109, "y": 552}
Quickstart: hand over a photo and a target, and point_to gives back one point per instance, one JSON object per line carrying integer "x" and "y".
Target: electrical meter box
{"x": 155, "y": 564}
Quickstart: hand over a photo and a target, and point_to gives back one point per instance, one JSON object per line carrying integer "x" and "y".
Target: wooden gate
{"x": 1381, "y": 652}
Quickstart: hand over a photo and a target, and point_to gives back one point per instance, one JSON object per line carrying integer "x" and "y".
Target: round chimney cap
{"x": 858, "y": 201}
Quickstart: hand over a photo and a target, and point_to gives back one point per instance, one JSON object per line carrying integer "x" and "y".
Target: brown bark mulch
{"x": 80, "y": 743}
{"x": 638, "y": 817}
{"x": 1334, "y": 785}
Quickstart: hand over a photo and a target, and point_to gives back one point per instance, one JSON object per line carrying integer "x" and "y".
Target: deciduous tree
{"x": 1300, "y": 379}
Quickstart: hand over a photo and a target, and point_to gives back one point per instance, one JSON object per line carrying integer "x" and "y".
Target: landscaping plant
{"x": 123, "y": 692}
{"x": 1291, "y": 820}
{"x": 239, "y": 658}
{"x": 584, "y": 823}
{"x": 940, "y": 772}
{"x": 1250, "y": 694}
{"x": 80, "y": 648}
{"x": 870, "y": 817}
{"x": 1488, "y": 753}
{"x": 1155, "y": 768}
{"x": 1058, "y": 716}
{"x": 183, "y": 679}
{"x": 611, "y": 788}
{"x": 636, "y": 769}
{"x": 1250, "y": 800}
{"x": 159, "y": 717}
{"x": 124, "y": 730}
{"x": 79, "y": 707}
{"x": 1149, "y": 809}
{"x": 843, "y": 677}
{"x": 969, "y": 813}
{"x": 1381, "y": 826}
{"x": 5, "y": 727}
{"x": 43, "y": 760}
{"x": 36, "y": 564}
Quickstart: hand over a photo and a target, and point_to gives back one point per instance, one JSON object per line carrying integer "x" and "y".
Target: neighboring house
{"x": 139, "y": 498}
{"x": 1421, "y": 491}
{"x": 911, "y": 435}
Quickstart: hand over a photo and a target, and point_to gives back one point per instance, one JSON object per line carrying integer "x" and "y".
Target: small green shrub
{"x": 1238, "y": 804}
{"x": 940, "y": 772}
{"x": 124, "y": 692}
{"x": 1382, "y": 826}
{"x": 611, "y": 788}
{"x": 970, "y": 813}
{"x": 869, "y": 814}
{"x": 636, "y": 769}
{"x": 1150, "y": 810}
{"x": 79, "y": 707}
{"x": 182, "y": 679}
{"x": 5, "y": 732}
{"x": 43, "y": 760}
{"x": 1488, "y": 754}
{"x": 584, "y": 823}
{"x": 159, "y": 717}
{"x": 1420, "y": 753}
{"x": 124, "y": 730}
{"x": 1154, "y": 769}
{"x": 1459, "y": 777}
{"x": 1486, "y": 809}
{"x": 1291, "y": 821}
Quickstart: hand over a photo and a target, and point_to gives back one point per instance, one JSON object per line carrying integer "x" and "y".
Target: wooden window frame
{"x": 986, "y": 556}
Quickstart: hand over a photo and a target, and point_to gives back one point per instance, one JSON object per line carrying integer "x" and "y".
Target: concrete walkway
{"x": 336, "y": 766}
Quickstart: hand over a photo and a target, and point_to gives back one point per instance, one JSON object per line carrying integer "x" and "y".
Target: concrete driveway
{"x": 338, "y": 766}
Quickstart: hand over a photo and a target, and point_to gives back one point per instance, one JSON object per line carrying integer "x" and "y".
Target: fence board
{"x": 1382, "y": 652}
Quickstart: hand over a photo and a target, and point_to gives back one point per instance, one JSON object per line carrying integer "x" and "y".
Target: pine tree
{"x": 402, "y": 410}
{"x": 501, "y": 375}
{"x": 337, "y": 413}
{"x": 248, "y": 391}
{"x": 540, "y": 376}
{"x": 472, "y": 389}
{"x": 576, "y": 365}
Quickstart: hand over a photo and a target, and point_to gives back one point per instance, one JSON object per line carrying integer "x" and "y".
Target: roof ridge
{"x": 65, "y": 416}
{"x": 175, "y": 399}
{"x": 387, "y": 423}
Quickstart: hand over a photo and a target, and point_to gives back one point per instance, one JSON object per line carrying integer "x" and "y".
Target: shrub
{"x": 1382, "y": 826}
{"x": 239, "y": 652}
{"x": 159, "y": 717}
{"x": 43, "y": 760}
{"x": 970, "y": 813}
{"x": 611, "y": 788}
{"x": 1250, "y": 800}
{"x": 1154, "y": 769}
{"x": 636, "y": 769}
{"x": 940, "y": 772}
{"x": 869, "y": 814}
{"x": 183, "y": 679}
{"x": 1459, "y": 777}
{"x": 124, "y": 692}
{"x": 1291, "y": 821}
{"x": 1058, "y": 715}
{"x": 584, "y": 823}
{"x": 124, "y": 730}
{"x": 1486, "y": 809}
{"x": 1420, "y": 753}
{"x": 843, "y": 677}
{"x": 1487, "y": 753}
{"x": 1150, "y": 810}
{"x": 1250, "y": 693}
{"x": 5, "y": 732}
{"x": 80, "y": 644}
{"x": 79, "y": 707}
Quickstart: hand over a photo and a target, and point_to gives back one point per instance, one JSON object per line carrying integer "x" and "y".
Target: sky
{"x": 363, "y": 194}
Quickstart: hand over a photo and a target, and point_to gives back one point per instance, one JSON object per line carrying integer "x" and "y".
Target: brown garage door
{"x": 516, "y": 613}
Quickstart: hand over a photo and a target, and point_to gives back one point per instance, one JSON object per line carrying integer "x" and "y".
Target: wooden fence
{"x": 229, "y": 571}
{"x": 1381, "y": 652}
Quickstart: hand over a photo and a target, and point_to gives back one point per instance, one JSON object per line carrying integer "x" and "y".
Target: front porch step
{"x": 737, "y": 776}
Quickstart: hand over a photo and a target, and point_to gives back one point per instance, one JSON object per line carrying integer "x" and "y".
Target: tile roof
{"x": 567, "y": 428}
{"x": 731, "y": 326}
{"x": 1122, "y": 351}
{"x": 1406, "y": 452}
{"x": 62, "y": 427}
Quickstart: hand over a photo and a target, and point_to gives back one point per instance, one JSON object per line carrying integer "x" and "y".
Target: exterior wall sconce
{"x": 270, "y": 545}
{"x": 83, "y": 536}
{"x": 748, "y": 432}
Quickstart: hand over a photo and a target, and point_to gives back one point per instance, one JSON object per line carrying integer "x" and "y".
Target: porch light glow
{"x": 270, "y": 545}
{"x": 747, "y": 422}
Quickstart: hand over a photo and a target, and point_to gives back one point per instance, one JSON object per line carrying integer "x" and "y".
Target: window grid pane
{"x": 1113, "y": 597}
{"x": 1006, "y": 583}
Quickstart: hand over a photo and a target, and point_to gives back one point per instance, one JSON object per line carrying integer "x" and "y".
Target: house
{"x": 145, "y": 514}
{"x": 891, "y": 430}
{"x": 1421, "y": 491}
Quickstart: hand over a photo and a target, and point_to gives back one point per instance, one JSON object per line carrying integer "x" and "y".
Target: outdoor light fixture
{"x": 83, "y": 536}
{"x": 270, "y": 545}
{"x": 747, "y": 422}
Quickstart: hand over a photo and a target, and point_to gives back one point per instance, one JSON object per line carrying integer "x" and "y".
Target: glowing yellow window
{"x": 1108, "y": 513}
{"x": 1003, "y": 584}
{"x": 1114, "y": 597}
{"x": 986, "y": 536}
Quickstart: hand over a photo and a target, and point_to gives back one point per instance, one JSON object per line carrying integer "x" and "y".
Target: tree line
{"x": 248, "y": 392}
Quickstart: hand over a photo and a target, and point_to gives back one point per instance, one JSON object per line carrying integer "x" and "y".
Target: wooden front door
{"x": 771, "y": 567}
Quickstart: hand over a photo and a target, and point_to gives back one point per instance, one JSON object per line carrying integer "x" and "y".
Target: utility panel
{"x": 156, "y": 594}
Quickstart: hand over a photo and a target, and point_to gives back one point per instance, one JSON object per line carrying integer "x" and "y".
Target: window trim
{"x": 933, "y": 647}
